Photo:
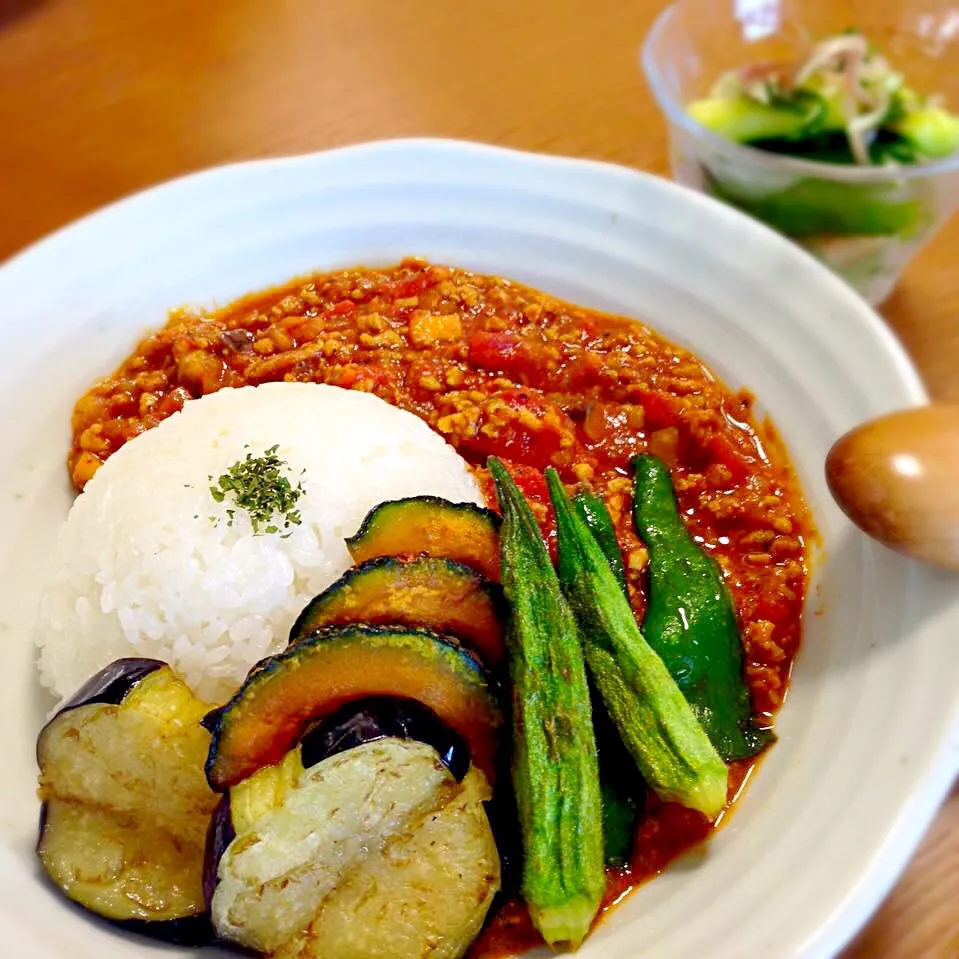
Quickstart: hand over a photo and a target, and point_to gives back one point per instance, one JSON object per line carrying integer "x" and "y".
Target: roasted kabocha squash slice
{"x": 432, "y": 526}
{"x": 438, "y": 594}
{"x": 126, "y": 807}
{"x": 286, "y": 694}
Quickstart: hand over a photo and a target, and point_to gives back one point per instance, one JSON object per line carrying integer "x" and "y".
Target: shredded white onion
{"x": 859, "y": 127}
{"x": 863, "y": 79}
{"x": 842, "y": 69}
{"x": 851, "y": 45}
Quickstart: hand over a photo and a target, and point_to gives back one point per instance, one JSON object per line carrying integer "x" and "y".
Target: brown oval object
{"x": 897, "y": 479}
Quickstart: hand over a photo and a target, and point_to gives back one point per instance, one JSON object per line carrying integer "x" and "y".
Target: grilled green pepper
{"x": 592, "y": 510}
{"x": 656, "y": 723}
{"x": 621, "y": 785}
{"x": 555, "y": 769}
{"x": 690, "y": 620}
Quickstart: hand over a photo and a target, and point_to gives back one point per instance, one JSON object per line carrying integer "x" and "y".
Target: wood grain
{"x": 99, "y": 98}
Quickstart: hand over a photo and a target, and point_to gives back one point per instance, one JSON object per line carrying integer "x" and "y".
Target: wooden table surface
{"x": 99, "y": 98}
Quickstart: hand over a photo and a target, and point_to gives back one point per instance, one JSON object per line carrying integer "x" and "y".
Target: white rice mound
{"x": 147, "y": 565}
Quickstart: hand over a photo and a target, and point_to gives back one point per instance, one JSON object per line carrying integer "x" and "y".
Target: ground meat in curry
{"x": 498, "y": 368}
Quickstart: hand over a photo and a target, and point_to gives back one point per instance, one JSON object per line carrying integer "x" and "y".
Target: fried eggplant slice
{"x": 374, "y": 852}
{"x": 126, "y": 806}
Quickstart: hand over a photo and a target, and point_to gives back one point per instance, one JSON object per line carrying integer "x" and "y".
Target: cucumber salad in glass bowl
{"x": 844, "y": 141}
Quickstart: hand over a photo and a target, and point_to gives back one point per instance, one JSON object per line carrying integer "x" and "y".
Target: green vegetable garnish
{"x": 656, "y": 723}
{"x": 622, "y": 788}
{"x": 555, "y": 768}
{"x": 932, "y": 131}
{"x": 593, "y": 512}
{"x": 690, "y": 620}
{"x": 809, "y": 207}
{"x": 257, "y": 486}
{"x": 620, "y": 815}
{"x": 844, "y": 86}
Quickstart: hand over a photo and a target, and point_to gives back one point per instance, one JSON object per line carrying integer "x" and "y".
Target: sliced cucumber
{"x": 743, "y": 120}
{"x": 811, "y": 207}
{"x": 934, "y": 132}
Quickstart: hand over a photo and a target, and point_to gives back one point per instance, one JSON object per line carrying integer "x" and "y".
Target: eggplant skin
{"x": 125, "y": 803}
{"x": 219, "y": 836}
{"x": 384, "y": 717}
{"x": 374, "y": 853}
{"x": 111, "y": 684}
{"x": 356, "y": 723}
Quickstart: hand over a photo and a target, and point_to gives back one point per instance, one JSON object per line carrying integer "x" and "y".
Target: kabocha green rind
{"x": 285, "y": 694}
{"x": 555, "y": 767}
{"x": 656, "y": 723}
{"x": 433, "y": 526}
{"x": 690, "y": 619}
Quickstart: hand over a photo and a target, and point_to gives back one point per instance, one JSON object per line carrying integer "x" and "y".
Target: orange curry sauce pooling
{"x": 498, "y": 368}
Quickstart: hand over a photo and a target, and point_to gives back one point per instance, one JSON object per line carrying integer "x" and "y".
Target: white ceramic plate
{"x": 869, "y": 737}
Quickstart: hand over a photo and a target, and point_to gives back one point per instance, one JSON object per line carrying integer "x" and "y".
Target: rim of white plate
{"x": 563, "y": 174}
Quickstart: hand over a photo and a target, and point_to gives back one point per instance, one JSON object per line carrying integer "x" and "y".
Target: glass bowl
{"x": 865, "y": 223}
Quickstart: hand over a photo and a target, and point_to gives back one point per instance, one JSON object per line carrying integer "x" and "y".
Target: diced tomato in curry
{"x": 498, "y": 368}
